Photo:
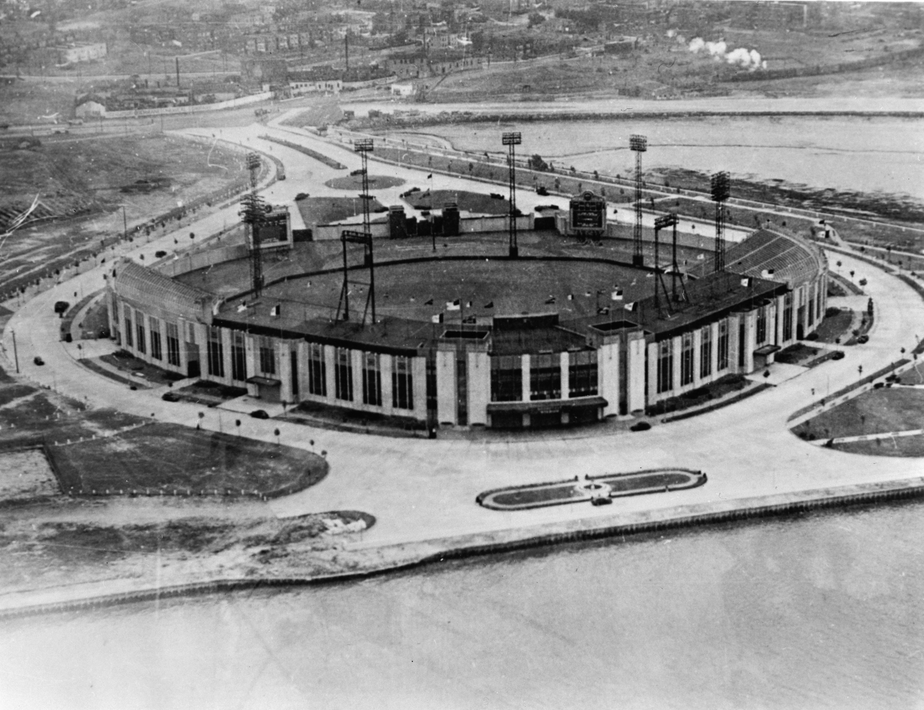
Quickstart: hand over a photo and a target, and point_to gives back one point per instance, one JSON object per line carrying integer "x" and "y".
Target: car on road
{"x": 170, "y": 397}
{"x": 863, "y": 339}
{"x": 38, "y": 361}
{"x": 601, "y": 500}
{"x": 259, "y": 414}
{"x": 838, "y": 355}
{"x": 542, "y": 190}
{"x": 640, "y": 426}
{"x": 302, "y": 196}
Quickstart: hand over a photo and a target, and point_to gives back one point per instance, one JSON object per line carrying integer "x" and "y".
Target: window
{"x": 582, "y": 373}
{"x": 665, "y": 366}
{"x": 787, "y": 317}
{"x": 545, "y": 376}
{"x": 742, "y": 335}
{"x": 293, "y": 371}
{"x": 761, "y": 325}
{"x": 705, "y": 352}
{"x": 402, "y": 383}
{"x": 173, "y": 345}
{"x": 216, "y": 353}
{"x": 129, "y": 342}
{"x": 139, "y": 332}
{"x": 156, "y": 349}
{"x": 506, "y": 378}
{"x": 686, "y": 359}
{"x": 267, "y": 355}
{"x": 343, "y": 375}
{"x": 317, "y": 370}
{"x": 372, "y": 379}
{"x": 238, "y": 357}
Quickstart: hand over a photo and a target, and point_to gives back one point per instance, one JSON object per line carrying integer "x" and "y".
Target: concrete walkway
{"x": 422, "y": 489}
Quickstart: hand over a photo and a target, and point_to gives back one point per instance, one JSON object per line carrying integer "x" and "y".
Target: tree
{"x": 536, "y": 18}
{"x": 537, "y": 163}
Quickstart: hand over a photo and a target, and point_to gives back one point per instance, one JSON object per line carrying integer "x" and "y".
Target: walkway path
{"x": 425, "y": 489}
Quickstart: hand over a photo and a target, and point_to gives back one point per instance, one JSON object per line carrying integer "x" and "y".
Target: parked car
{"x": 259, "y": 414}
{"x": 160, "y": 254}
{"x": 171, "y": 397}
{"x": 863, "y": 339}
{"x": 838, "y": 355}
{"x": 542, "y": 190}
{"x": 601, "y": 500}
{"x": 640, "y": 426}
{"x": 302, "y": 196}
{"x": 38, "y": 361}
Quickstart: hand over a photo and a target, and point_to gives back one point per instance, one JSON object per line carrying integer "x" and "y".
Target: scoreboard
{"x": 588, "y": 214}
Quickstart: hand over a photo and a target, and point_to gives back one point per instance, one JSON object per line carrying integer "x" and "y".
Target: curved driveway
{"x": 425, "y": 489}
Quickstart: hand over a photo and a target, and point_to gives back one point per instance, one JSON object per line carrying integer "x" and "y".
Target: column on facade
{"x": 608, "y": 375}
{"x": 565, "y": 375}
{"x": 635, "y": 371}
{"x": 676, "y": 363}
{"x": 750, "y": 338}
{"x": 479, "y": 386}
{"x": 225, "y": 335}
{"x": 780, "y": 308}
{"x": 524, "y": 373}
{"x": 386, "y": 368}
{"x": 446, "y": 386}
{"x": 330, "y": 372}
{"x": 356, "y": 365}
{"x": 652, "y": 365}
{"x": 419, "y": 370}
{"x": 714, "y": 355}
{"x": 284, "y": 370}
{"x": 302, "y": 350}
{"x": 202, "y": 345}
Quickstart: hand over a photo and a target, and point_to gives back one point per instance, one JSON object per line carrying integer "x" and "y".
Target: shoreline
{"x": 493, "y": 543}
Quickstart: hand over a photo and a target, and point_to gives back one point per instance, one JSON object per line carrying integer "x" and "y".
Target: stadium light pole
{"x": 364, "y": 146}
{"x": 638, "y": 144}
{"x": 511, "y": 139}
{"x": 720, "y": 192}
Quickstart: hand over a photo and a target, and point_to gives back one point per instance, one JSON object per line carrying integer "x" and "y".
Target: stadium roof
{"x": 773, "y": 255}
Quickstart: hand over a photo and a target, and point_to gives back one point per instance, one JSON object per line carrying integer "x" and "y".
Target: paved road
{"x": 422, "y": 489}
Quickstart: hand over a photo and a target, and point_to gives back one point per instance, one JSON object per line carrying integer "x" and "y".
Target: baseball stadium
{"x": 553, "y": 319}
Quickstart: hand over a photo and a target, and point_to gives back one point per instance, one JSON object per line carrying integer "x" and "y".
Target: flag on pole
{"x": 550, "y": 300}
{"x": 275, "y": 311}
{"x": 588, "y": 294}
{"x": 429, "y": 176}
{"x": 489, "y": 304}
{"x": 746, "y": 281}
{"x": 453, "y": 305}
{"x": 616, "y": 295}
{"x": 630, "y": 306}
{"x": 468, "y": 305}
{"x": 436, "y": 318}
{"x": 241, "y": 308}
{"x": 428, "y": 303}
{"x": 570, "y": 296}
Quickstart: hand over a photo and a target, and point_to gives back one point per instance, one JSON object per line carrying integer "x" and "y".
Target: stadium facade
{"x": 530, "y": 366}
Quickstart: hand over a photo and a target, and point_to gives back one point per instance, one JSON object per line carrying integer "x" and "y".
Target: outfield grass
{"x": 163, "y": 458}
{"x": 476, "y": 202}
{"x": 326, "y": 210}
{"x": 874, "y": 412}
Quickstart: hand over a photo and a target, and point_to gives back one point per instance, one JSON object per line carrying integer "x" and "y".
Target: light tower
{"x": 252, "y": 212}
{"x": 512, "y": 139}
{"x": 720, "y": 192}
{"x": 363, "y": 146}
{"x": 638, "y": 144}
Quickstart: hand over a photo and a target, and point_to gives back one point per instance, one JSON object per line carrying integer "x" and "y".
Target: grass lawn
{"x": 653, "y": 479}
{"x": 797, "y": 354}
{"x": 835, "y": 326}
{"x": 875, "y": 412}
{"x": 168, "y": 457}
{"x": 901, "y": 446}
{"x": 209, "y": 393}
{"x": 475, "y": 202}
{"x": 716, "y": 390}
{"x": 125, "y": 361}
{"x": 537, "y": 496}
{"x": 355, "y": 182}
{"x": 914, "y": 376}
{"x": 326, "y": 210}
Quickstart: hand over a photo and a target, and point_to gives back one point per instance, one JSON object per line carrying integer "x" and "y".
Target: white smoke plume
{"x": 745, "y": 58}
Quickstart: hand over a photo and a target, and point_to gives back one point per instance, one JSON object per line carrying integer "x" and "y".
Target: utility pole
{"x": 15, "y": 351}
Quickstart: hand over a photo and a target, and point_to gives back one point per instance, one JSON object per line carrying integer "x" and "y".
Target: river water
{"x": 880, "y": 154}
{"x": 825, "y": 610}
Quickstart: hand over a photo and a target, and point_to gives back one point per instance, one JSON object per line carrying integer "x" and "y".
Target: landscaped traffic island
{"x": 598, "y": 490}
